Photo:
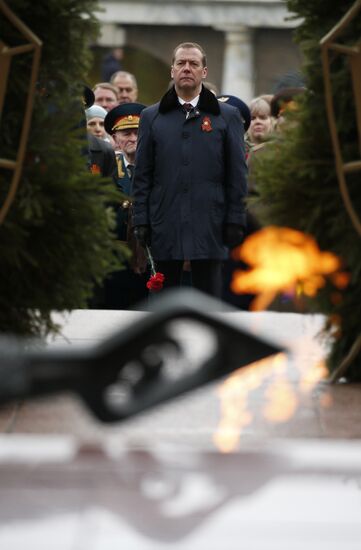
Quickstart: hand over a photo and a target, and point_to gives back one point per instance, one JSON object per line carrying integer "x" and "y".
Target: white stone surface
{"x": 301, "y": 495}
{"x": 111, "y": 34}
{"x": 84, "y": 325}
{"x": 252, "y": 13}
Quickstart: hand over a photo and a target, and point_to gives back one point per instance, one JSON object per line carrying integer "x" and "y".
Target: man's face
{"x": 187, "y": 70}
{"x": 126, "y": 141}
{"x": 105, "y": 98}
{"x": 127, "y": 92}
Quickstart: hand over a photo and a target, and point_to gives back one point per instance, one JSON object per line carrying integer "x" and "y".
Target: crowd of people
{"x": 184, "y": 169}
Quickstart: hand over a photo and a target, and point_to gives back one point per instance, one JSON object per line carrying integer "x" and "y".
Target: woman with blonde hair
{"x": 262, "y": 122}
{"x": 259, "y": 133}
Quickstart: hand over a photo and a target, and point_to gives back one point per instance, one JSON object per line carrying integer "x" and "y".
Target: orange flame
{"x": 287, "y": 260}
{"x": 234, "y": 393}
{"x": 281, "y": 398}
{"x": 282, "y": 401}
{"x": 283, "y": 259}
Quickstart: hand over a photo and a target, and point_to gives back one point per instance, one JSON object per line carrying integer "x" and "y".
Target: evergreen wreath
{"x": 56, "y": 241}
{"x": 296, "y": 176}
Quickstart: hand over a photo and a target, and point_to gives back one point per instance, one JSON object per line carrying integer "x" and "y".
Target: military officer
{"x": 122, "y": 124}
{"x": 125, "y": 288}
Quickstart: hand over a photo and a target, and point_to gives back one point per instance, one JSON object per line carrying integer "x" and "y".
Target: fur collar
{"x": 207, "y": 102}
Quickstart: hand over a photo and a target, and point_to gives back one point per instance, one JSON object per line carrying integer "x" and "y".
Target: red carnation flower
{"x": 155, "y": 282}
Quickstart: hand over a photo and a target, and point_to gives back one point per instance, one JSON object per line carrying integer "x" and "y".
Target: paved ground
{"x": 275, "y": 399}
{"x": 69, "y": 482}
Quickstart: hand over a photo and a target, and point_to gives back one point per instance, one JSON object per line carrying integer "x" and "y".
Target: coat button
{"x": 186, "y": 161}
{"x": 185, "y": 135}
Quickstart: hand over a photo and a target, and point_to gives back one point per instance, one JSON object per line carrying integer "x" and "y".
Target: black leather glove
{"x": 142, "y": 234}
{"x": 233, "y": 235}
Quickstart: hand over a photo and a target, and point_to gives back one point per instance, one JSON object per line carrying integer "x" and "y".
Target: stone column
{"x": 238, "y": 71}
{"x": 112, "y": 35}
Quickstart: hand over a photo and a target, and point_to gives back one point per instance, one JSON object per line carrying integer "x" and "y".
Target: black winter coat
{"x": 190, "y": 177}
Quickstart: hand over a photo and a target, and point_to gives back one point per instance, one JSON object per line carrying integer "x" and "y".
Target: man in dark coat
{"x": 190, "y": 176}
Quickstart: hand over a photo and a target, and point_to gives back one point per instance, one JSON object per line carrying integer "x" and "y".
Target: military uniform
{"x": 124, "y": 288}
{"x": 124, "y": 184}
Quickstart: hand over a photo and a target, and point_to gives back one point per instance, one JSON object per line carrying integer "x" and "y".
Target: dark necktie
{"x": 188, "y": 107}
{"x": 130, "y": 170}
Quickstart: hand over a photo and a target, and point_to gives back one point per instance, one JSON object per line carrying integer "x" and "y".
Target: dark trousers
{"x": 122, "y": 289}
{"x": 206, "y": 275}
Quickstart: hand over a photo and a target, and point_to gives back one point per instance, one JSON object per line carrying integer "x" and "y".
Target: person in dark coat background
{"x": 190, "y": 176}
{"x": 125, "y": 288}
{"x": 101, "y": 157}
{"x": 241, "y": 301}
{"x": 111, "y": 63}
{"x": 100, "y": 154}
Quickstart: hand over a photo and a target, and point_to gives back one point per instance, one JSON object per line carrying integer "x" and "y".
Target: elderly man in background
{"x": 126, "y": 86}
{"x": 127, "y": 287}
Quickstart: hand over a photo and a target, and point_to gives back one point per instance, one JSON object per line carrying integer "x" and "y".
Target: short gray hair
{"x": 124, "y": 74}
